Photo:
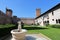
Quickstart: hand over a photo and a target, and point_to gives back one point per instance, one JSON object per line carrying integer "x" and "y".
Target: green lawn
{"x": 53, "y": 33}
{"x": 6, "y": 25}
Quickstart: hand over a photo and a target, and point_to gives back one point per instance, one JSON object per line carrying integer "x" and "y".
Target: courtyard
{"x": 29, "y": 20}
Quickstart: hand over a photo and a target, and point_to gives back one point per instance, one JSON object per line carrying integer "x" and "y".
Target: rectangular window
{"x": 59, "y": 21}
{"x": 47, "y": 21}
{"x": 52, "y": 13}
{"x": 56, "y": 21}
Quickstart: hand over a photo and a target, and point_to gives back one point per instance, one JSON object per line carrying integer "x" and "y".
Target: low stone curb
{"x": 45, "y": 36}
{"x": 41, "y": 35}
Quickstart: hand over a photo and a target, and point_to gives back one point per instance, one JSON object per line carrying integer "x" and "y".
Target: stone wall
{"x": 28, "y": 20}
{"x": 4, "y": 19}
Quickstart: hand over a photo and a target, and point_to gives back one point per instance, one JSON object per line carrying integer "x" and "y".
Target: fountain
{"x": 18, "y": 34}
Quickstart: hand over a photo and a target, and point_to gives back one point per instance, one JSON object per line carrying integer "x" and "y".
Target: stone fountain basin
{"x": 18, "y": 35}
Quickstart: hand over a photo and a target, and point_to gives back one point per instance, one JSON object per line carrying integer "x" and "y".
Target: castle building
{"x": 52, "y": 16}
{"x": 7, "y": 18}
{"x": 2, "y": 17}
{"x": 8, "y": 12}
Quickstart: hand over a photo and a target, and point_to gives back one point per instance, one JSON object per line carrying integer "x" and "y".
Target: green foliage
{"x": 53, "y": 33}
{"x": 55, "y": 26}
{"x": 34, "y": 28}
{"x": 5, "y": 29}
{"x": 6, "y": 26}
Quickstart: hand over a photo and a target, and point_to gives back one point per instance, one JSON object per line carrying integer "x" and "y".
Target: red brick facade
{"x": 9, "y": 12}
{"x": 38, "y": 12}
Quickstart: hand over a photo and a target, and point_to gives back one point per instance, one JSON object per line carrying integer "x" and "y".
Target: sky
{"x": 27, "y": 8}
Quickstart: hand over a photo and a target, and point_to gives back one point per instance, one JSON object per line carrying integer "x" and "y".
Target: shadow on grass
{"x": 34, "y": 28}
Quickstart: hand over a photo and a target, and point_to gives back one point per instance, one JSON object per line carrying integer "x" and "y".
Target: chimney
{"x": 38, "y": 12}
{"x": 8, "y": 12}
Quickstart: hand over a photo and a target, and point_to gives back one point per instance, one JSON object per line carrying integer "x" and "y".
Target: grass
{"x": 7, "y": 26}
{"x": 53, "y": 33}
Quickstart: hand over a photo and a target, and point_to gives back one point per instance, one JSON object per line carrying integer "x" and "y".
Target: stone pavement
{"x": 32, "y": 37}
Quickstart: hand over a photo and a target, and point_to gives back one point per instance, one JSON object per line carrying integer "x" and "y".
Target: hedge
{"x": 55, "y": 26}
{"x": 5, "y": 29}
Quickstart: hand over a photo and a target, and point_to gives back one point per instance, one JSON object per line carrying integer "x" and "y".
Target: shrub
{"x": 5, "y": 29}
{"x": 55, "y": 26}
{"x": 47, "y": 25}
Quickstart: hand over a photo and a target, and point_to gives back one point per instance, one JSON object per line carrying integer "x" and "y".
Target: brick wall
{"x": 38, "y": 12}
{"x": 28, "y": 20}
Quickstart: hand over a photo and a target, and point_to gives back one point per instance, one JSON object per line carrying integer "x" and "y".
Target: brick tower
{"x": 38, "y": 12}
{"x": 9, "y": 12}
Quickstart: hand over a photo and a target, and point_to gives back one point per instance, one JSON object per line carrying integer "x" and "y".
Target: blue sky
{"x": 27, "y": 8}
